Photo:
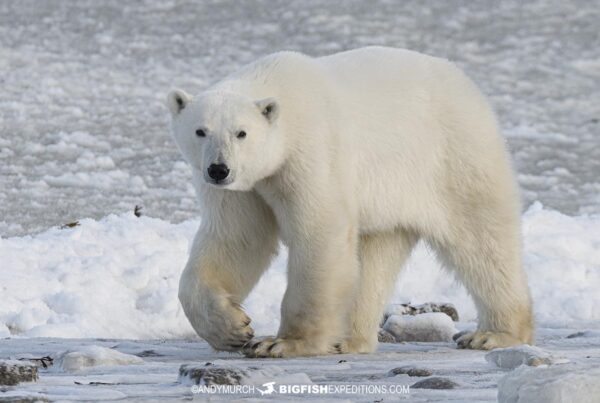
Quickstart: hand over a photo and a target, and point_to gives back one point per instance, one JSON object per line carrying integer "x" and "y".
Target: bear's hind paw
{"x": 275, "y": 347}
{"x": 482, "y": 340}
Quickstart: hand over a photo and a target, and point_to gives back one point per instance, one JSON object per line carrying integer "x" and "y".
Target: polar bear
{"x": 349, "y": 160}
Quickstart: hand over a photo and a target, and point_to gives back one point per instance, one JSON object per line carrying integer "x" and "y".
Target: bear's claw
{"x": 229, "y": 330}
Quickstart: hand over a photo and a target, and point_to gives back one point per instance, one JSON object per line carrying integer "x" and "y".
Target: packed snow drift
{"x": 118, "y": 277}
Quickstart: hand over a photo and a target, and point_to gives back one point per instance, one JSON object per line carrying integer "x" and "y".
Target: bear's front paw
{"x": 274, "y": 347}
{"x": 481, "y": 340}
{"x": 227, "y": 327}
{"x": 358, "y": 346}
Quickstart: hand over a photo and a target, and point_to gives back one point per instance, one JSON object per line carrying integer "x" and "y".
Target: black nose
{"x": 218, "y": 172}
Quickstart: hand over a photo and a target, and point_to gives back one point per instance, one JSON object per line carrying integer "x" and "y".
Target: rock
{"x": 512, "y": 357}
{"x": 91, "y": 356}
{"x": 567, "y": 383}
{"x": 410, "y": 371}
{"x": 435, "y": 382}
{"x": 408, "y": 309}
{"x": 424, "y": 327}
{"x": 220, "y": 373}
{"x": 13, "y": 372}
{"x": 210, "y": 375}
{"x": 385, "y": 337}
{"x": 585, "y": 333}
{"x": 148, "y": 353}
{"x": 22, "y": 398}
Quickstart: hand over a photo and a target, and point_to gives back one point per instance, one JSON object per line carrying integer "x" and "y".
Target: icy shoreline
{"x": 118, "y": 277}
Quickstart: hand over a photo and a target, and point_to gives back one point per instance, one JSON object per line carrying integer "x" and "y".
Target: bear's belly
{"x": 405, "y": 197}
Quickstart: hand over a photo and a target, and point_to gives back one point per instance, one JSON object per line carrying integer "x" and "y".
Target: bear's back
{"x": 271, "y": 75}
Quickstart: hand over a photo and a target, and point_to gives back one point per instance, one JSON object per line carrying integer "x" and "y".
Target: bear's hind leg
{"x": 486, "y": 256}
{"x": 381, "y": 258}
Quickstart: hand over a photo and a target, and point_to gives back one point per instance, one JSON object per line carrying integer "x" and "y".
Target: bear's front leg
{"x": 322, "y": 274}
{"x": 233, "y": 247}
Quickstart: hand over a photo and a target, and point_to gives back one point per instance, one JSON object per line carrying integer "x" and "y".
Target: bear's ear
{"x": 269, "y": 108}
{"x": 177, "y": 100}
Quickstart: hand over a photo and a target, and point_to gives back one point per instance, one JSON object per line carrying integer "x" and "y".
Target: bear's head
{"x": 230, "y": 139}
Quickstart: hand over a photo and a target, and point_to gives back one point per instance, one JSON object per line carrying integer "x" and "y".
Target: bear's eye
{"x": 200, "y": 133}
{"x": 241, "y": 134}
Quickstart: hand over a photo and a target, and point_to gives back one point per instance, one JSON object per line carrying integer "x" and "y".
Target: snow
{"x": 432, "y": 326}
{"x": 63, "y": 282}
{"x": 117, "y": 277}
{"x": 555, "y": 384}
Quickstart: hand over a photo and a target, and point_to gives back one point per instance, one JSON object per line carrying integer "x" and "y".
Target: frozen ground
{"x": 83, "y": 127}
{"x": 83, "y": 137}
{"x": 156, "y": 378}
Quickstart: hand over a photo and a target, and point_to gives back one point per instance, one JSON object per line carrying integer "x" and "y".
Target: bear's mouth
{"x": 218, "y": 183}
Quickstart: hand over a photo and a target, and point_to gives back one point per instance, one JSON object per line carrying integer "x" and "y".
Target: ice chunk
{"x": 513, "y": 357}
{"x": 435, "y": 326}
{"x": 563, "y": 383}
{"x": 92, "y": 356}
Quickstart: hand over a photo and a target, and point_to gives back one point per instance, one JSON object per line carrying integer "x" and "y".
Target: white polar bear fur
{"x": 360, "y": 155}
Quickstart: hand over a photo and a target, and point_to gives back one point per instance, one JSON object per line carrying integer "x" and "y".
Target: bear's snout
{"x": 218, "y": 172}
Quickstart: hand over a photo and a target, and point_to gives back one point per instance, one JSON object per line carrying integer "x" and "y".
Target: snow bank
{"x": 563, "y": 383}
{"x": 118, "y": 277}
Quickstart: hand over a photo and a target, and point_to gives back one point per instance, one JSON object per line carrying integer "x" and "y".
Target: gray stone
{"x": 435, "y": 383}
{"x": 148, "y": 353}
{"x": 13, "y": 372}
{"x": 211, "y": 375}
{"x": 585, "y": 333}
{"x": 385, "y": 337}
{"x": 408, "y": 309}
{"x": 410, "y": 371}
